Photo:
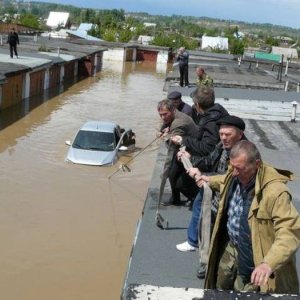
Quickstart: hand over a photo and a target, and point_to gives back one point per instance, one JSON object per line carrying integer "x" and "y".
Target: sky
{"x": 279, "y": 12}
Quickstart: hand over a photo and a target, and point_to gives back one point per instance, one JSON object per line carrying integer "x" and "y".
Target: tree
{"x": 29, "y": 20}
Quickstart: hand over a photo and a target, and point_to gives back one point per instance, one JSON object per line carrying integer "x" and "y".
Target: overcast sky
{"x": 280, "y": 12}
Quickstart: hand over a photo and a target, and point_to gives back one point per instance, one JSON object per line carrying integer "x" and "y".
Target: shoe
{"x": 185, "y": 247}
{"x": 188, "y": 203}
{"x": 166, "y": 203}
{"x": 201, "y": 271}
{"x": 170, "y": 201}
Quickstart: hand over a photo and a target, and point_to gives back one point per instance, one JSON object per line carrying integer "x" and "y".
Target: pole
{"x": 294, "y": 111}
{"x": 286, "y": 86}
{"x": 125, "y": 167}
{"x": 286, "y": 68}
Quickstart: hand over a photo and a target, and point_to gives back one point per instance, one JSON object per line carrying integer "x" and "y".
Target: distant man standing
{"x": 203, "y": 79}
{"x": 179, "y": 104}
{"x": 183, "y": 58}
{"x": 13, "y": 40}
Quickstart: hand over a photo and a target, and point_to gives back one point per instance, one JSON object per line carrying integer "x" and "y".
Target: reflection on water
{"x": 66, "y": 230}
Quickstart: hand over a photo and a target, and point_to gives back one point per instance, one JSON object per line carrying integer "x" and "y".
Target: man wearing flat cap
{"x": 175, "y": 96}
{"x": 231, "y": 131}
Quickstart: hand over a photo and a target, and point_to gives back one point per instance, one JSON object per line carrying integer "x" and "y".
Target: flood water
{"x": 66, "y": 230}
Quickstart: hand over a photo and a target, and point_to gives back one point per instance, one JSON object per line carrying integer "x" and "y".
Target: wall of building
{"x": 12, "y": 91}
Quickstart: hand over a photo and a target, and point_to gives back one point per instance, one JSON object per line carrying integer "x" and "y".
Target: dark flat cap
{"x": 174, "y": 95}
{"x": 233, "y": 121}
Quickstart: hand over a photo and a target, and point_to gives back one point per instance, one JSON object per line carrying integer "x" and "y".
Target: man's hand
{"x": 261, "y": 274}
{"x": 201, "y": 180}
{"x": 176, "y": 139}
{"x": 194, "y": 173}
{"x": 164, "y": 132}
{"x": 184, "y": 153}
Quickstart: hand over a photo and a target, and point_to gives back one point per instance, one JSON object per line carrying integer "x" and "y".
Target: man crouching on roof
{"x": 257, "y": 229}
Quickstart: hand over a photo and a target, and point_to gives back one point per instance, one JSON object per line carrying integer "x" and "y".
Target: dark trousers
{"x": 184, "y": 74}
{"x": 181, "y": 182}
{"x": 13, "y": 49}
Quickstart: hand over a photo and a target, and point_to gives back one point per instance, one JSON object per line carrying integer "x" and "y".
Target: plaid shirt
{"x": 235, "y": 209}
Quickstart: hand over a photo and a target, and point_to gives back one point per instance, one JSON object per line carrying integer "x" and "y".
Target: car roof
{"x": 100, "y": 126}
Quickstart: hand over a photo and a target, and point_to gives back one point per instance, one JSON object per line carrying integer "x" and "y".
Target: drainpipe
{"x": 286, "y": 67}
{"x": 286, "y": 86}
{"x": 294, "y": 111}
{"x": 239, "y": 60}
{"x": 1, "y": 40}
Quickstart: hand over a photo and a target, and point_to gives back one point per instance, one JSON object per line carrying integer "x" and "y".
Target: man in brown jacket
{"x": 174, "y": 123}
{"x": 257, "y": 229}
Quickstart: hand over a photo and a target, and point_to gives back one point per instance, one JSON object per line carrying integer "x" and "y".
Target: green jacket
{"x": 275, "y": 228}
{"x": 205, "y": 81}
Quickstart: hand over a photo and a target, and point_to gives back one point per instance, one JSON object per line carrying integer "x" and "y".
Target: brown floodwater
{"x": 66, "y": 230}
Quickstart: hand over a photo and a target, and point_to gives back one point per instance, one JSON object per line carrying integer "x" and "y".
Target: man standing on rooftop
{"x": 183, "y": 58}
{"x": 13, "y": 40}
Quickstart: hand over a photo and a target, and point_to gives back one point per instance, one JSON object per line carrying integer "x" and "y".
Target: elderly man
{"x": 202, "y": 78}
{"x": 182, "y": 58}
{"x": 174, "y": 122}
{"x": 231, "y": 131}
{"x": 175, "y": 96}
{"x": 257, "y": 229}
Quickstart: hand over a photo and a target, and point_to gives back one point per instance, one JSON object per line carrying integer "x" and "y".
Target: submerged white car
{"x": 98, "y": 143}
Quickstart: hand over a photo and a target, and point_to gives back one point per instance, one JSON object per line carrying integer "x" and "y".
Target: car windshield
{"x": 94, "y": 140}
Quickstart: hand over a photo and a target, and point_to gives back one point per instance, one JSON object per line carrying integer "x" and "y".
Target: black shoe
{"x": 171, "y": 202}
{"x": 201, "y": 271}
{"x": 189, "y": 204}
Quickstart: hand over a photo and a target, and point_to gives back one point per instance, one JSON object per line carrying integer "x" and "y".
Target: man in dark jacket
{"x": 203, "y": 144}
{"x": 175, "y": 96}
{"x": 183, "y": 58}
{"x": 13, "y": 40}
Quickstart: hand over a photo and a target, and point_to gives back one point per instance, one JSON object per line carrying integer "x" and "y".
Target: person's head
{"x": 181, "y": 50}
{"x": 245, "y": 160}
{"x": 231, "y": 130}
{"x": 166, "y": 111}
{"x": 175, "y": 97}
{"x": 204, "y": 98}
{"x": 200, "y": 72}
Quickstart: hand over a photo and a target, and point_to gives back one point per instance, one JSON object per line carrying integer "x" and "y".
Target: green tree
{"x": 29, "y": 20}
{"x": 236, "y": 46}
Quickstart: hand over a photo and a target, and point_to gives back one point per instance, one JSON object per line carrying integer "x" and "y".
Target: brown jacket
{"x": 275, "y": 228}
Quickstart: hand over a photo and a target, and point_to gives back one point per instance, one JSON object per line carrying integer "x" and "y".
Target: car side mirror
{"x": 68, "y": 143}
{"x": 123, "y": 148}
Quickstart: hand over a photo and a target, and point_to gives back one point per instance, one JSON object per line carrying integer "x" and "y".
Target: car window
{"x": 93, "y": 140}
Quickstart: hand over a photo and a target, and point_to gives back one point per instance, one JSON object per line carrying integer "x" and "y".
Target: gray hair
{"x": 247, "y": 148}
{"x": 204, "y": 96}
{"x": 166, "y": 103}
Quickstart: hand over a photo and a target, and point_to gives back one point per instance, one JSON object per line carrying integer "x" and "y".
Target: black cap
{"x": 233, "y": 121}
{"x": 174, "y": 95}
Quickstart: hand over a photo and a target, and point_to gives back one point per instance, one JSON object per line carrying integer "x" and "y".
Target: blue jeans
{"x": 193, "y": 229}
